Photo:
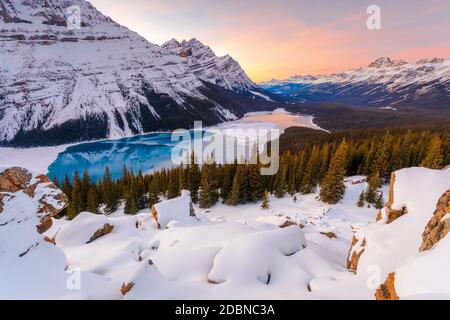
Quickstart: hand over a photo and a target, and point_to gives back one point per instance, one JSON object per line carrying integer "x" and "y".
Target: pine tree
{"x": 379, "y": 203}
{"x": 435, "y": 155}
{"x": 265, "y": 200}
{"x": 153, "y": 192}
{"x": 193, "y": 179}
{"x": 92, "y": 200}
{"x": 75, "y": 202}
{"x": 361, "y": 200}
{"x": 109, "y": 193}
{"x": 310, "y": 177}
{"x": 227, "y": 182}
{"x": 84, "y": 190}
{"x": 238, "y": 190}
{"x": 182, "y": 184}
{"x": 208, "y": 195}
{"x": 332, "y": 188}
{"x": 280, "y": 183}
{"x": 67, "y": 187}
{"x": 254, "y": 183}
{"x": 172, "y": 188}
{"x": 374, "y": 184}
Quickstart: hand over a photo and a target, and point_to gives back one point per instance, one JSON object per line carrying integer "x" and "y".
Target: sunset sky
{"x": 280, "y": 38}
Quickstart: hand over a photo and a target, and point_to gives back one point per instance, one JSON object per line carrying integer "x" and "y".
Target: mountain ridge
{"x": 383, "y": 83}
{"x": 104, "y": 80}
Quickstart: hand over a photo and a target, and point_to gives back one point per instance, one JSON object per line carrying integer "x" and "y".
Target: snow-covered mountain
{"x": 384, "y": 83}
{"x": 103, "y": 80}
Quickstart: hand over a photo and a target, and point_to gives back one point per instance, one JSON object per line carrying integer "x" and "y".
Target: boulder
{"x": 329, "y": 234}
{"x": 107, "y": 228}
{"x": 178, "y": 209}
{"x": 393, "y": 214}
{"x": 356, "y": 250}
{"x": 126, "y": 288}
{"x": 386, "y": 291}
{"x": 14, "y": 179}
{"x": 438, "y": 227}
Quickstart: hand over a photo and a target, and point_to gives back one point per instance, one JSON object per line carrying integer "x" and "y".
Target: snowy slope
{"x": 384, "y": 82}
{"x": 393, "y": 245}
{"x": 103, "y": 80}
{"x": 31, "y": 267}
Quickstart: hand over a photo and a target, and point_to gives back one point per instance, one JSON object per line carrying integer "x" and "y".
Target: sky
{"x": 280, "y": 38}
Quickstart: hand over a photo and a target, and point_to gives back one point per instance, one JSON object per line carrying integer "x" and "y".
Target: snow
{"x": 395, "y": 247}
{"x": 35, "y": 159}
{"x": 177, "y": 209}
{"x": 31, "y": 268}
{"x": 234, "y": 252}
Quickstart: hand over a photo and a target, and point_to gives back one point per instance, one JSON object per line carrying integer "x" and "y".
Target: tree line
{"x": 307, "y": 162}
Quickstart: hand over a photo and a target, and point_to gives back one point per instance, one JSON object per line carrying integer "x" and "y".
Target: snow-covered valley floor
{"x": 226, "y": 253}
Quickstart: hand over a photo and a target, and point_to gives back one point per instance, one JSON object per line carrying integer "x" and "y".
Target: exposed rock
{"x": 214, "y": 281}
{"x": 355, "y": 254}
{"x": 289, "y": 222}
{"x": 438, "y": 227}
{"x": 387, "y": 290}
{"x": 179, "y": 209}
{"x": 14, "y": 179}
{"x": 50, "y": 240}
{"x": 45, "y": 224}
{"x": 1, "y": 202}
{"x": 107, "y": 228}
{"x": 126, "y": 288}
{"x": 379, "y": 216}
{"x": 393, "y": 214}
{"x": 330, "y": 235}
{"x": 30, "y": 190}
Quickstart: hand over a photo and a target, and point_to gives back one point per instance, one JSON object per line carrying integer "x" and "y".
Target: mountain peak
{"x": 430, "y": 60}
{"x": 386, "y": 62}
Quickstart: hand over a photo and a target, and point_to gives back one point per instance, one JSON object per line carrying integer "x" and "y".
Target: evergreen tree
{"x": 332, "y": 188}
{"x": 75, "y": 199}
{"x": 84, "y": 190}
{"x": 435, "y": 155}
{"x": 182, "y": 184}
{"x": 153, "y": 192}
{"x": 109, "y": 193}
{"x": 194, "y": 178}
{"x": 280, "y": 183}
{"x": 310, "y": 177}
{"x": 172, "y": 187}
{"x": 265, "y": 200}
{"x": 374, "y": 184}
{"x": 238, "y": 190}
{"x": 92, "y": 200}
{"x": 67, "y": 187}
{"x": 208, "y": 195}
{"x": 379, "y": 203}
{"x": 254, "y": 192}
{"x": 361, "y": 199}
{"x": 227, "y": 182}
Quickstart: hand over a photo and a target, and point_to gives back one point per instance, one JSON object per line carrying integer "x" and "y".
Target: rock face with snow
{"x": 393, "y": 243}
{"x": 178, "y": 209}
{"x": 384, "y": 83}
{"x": 30, "y": 266}
{"x": 61, "y": 85}
{"x": 437, "y": 227}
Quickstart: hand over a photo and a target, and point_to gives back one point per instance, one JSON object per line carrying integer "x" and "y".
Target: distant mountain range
{"x": 384, "y": 83}
{"x": 105, "y": 81}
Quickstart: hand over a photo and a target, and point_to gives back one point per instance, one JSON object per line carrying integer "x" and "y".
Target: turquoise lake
{"x": 145, "y": 152}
